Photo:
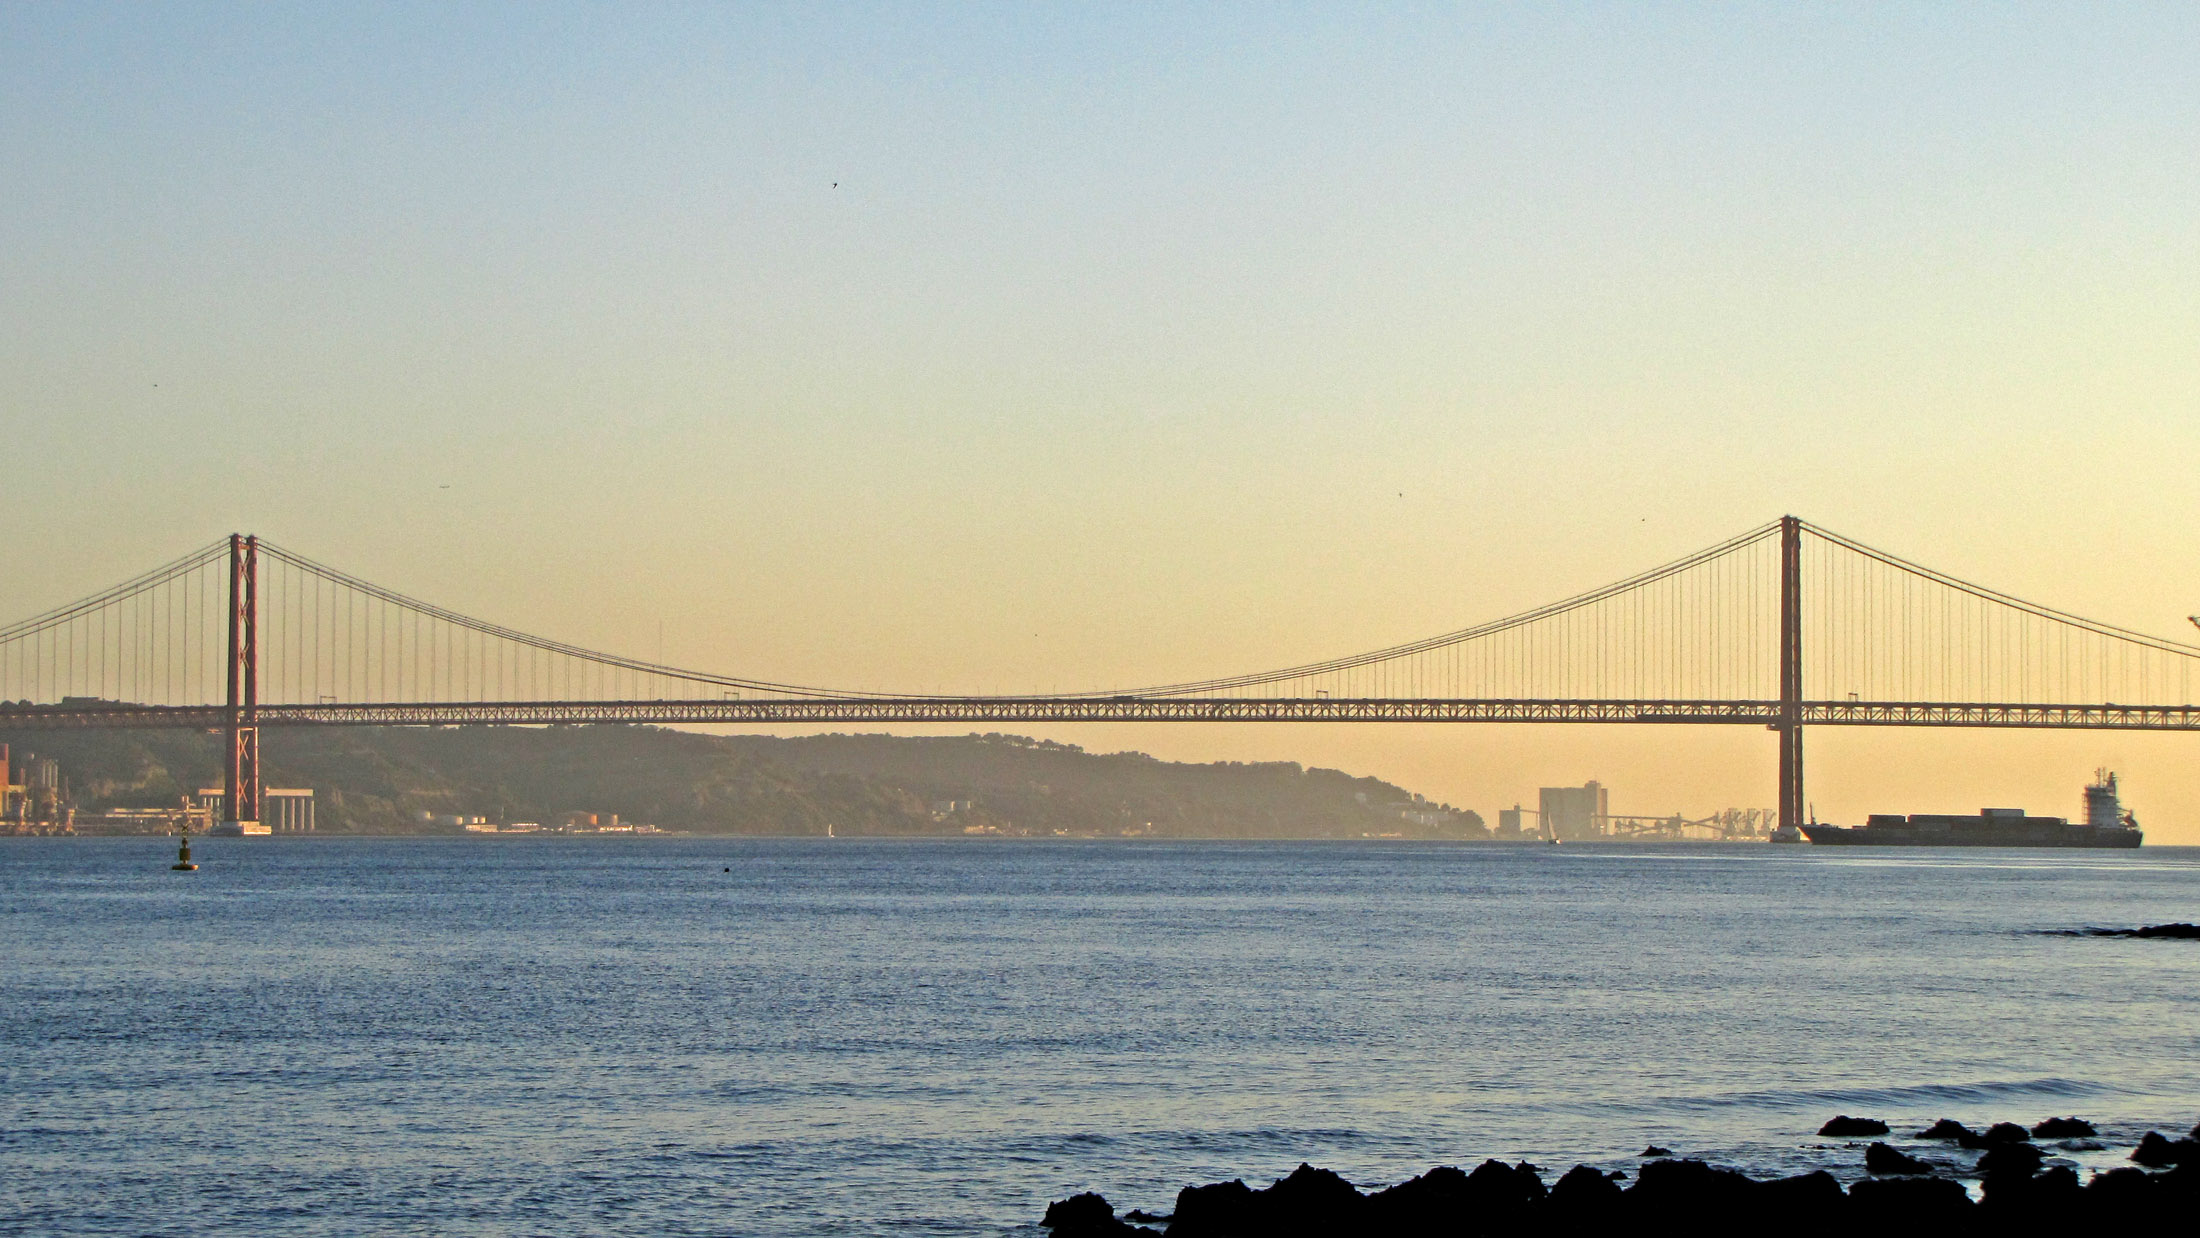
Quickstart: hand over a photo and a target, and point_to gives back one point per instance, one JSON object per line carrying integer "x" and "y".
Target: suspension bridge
{"x": 1786, "y": 626}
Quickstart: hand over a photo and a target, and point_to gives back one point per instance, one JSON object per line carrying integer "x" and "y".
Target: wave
{"x": 1888, "y": 1097}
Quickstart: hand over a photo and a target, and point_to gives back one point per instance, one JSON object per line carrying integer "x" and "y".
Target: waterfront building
{"x": 1508, "y": 822}
{"x": 1572, "y": 814}
{"x": 283, "y": 810}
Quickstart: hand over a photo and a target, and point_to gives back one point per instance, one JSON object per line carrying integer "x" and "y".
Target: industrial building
{"x": 283, "y": 810}
{"x": 1509, "y": 822}
{"x": 1576, "y": 814}
{"x": 31, "y": 800}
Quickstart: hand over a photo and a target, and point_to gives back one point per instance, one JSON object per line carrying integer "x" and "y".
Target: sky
{"x": 1013, "y": 348}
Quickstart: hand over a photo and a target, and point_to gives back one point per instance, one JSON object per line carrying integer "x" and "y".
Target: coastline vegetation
{"x": 382, "y": 780}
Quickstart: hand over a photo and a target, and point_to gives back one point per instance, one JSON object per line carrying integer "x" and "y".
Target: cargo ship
{"x": 2107, "y": 824}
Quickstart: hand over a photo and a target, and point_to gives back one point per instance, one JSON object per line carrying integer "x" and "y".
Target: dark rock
{"x": 1495, "y": 1196}
{"x": 1219, "y": 1208}
{"x": 2112, "y": 1181}
{"x": 2020, "y": 1195}
{"x": 1680, "y": 1177}
{"x": 1583, "y": 1193}
{"x": 2007, "y": 1132}
{"x": 1673, "y": 1193}
{"x": 1311, "y": 1201}
{"x": 1087, "y": 1216}
{"x": 1909, "y": 1203}
{"x": 2064, "y": 1128}
{"x": 2034, "y": 1204}
{"x": 2157, "y": 1152}
{"x": 1882, "y": 1159}
{"x": 2058, "y": 1180}
{"x": 2017, "y": 1160}
{"x": 1495, "y": 1186}
{"x": 2188, "y": 932}
{"x": 1846, "y": 1127}
{"x": 1143, "y": 1217}
{"x": 1437, "y": 1200}
{"x": 2180, "y": 1188}
{"x": 1086, "y": 1209}
{"x": 2134, "y": 1200}
{"x": 1655, "y": 1150}
{"x": 1801, "y": 1198}
{"x": 2120, "y": 1195}
{"x": 1963, "y": 1136}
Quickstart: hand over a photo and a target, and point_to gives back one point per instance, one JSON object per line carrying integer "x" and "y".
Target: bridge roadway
{"x": 1013, "y": 709}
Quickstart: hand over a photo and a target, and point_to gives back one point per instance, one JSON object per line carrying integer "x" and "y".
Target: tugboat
{"x": 2107, "y": 824}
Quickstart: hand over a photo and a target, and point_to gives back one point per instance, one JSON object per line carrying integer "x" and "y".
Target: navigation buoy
{"x": 183, "y": 862}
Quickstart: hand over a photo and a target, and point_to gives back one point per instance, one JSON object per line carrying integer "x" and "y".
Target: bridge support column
{"x": 1791, "y": 775}
{"x": 1790, "y": 725}
{"x": 241, "y": 769}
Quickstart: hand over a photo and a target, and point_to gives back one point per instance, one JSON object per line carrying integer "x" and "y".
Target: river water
{"x": 618, "y": 1036}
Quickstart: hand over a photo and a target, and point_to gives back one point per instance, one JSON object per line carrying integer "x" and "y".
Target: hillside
{"x": 379, "y": 780}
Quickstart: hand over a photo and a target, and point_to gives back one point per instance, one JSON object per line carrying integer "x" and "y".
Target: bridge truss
{"x": 989, "y": 709}
{"x": 1786, "y": 626}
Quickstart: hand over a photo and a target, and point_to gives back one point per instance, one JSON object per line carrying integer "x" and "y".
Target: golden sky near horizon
{"x": 996, "y": 349}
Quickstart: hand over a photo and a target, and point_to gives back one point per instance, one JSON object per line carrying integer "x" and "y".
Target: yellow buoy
{"x": 183, "y": 862}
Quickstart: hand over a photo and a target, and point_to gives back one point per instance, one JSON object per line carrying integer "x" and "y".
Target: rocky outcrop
{"x": 2156, "y": 1151}
{"x": 1883, "y": 1159}
{"x": 1908, "y": 1203}
{"x": 1846, "y": 1127}
{"x": 2011, "y": 1158}
{"x": 2184, "y": 932}
{"x": 1309, "y": 1201}
{"x": 2019, "y": 1193}
{"x": 2006, "y": 1132}
{"x": 1089, "y": 1216}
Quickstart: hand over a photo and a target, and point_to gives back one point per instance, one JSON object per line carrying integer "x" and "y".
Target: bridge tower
{"x": 241, "y": 769}
{"x": 1790, "y": 725}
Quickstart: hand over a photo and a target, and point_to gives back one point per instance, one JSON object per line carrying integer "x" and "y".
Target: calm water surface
{"x": 501, "y": 1036}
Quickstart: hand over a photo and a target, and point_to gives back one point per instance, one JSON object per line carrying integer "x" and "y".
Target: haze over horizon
{"x": 995, "y": 349}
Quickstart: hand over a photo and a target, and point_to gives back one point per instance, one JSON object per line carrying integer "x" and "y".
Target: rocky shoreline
{"x": 2020, "y": 1192}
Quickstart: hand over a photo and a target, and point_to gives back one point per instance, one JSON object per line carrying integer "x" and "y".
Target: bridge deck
{"x": 976, "y": 709}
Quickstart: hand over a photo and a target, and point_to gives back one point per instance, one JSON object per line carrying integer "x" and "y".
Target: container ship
{"x": 2107, "y": 824}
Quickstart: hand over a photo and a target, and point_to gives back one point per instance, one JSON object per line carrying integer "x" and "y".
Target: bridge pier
{"x": 1791, "y": 775}
{"x": 1790, "y": 724}
{"x": 241, "y": 767}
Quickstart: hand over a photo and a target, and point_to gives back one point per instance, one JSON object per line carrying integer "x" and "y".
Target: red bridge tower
{"x": 241, "y": 771}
